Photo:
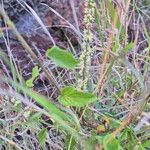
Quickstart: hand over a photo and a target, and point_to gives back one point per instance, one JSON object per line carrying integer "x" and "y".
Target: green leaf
{"x": 146, "y": 144}
{"x": 61, "y": 57}
{"x": 42, "y": 136}
{"x": 35, "y": 73}
{"x": 112, "y": 13}
{"x": 33, "y": 120}
{"x": 29, "y": 83}
{"x": 123, "y": 135}
{"x": 90, "y": 143}
{"x": 71, "y": 97}
{"x": 116, "y": 45}
{"x": 140, "y": 147}
{"x": 65, "y": 121}
{"x": 67, "y": 90}
{"x": 70, "y": 142}
{"x": 128, "y": 47}
{"x": 100, "y": 138}
{"x": 111, "y": 143}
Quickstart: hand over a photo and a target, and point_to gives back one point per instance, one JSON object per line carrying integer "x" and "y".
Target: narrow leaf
{"x": 42, "y": 136}
{"x": 128, "y": 47}
{"x": 64, "y": 120}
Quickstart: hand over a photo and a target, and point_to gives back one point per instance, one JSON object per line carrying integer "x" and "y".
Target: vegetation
{"x": 98, "y": 91}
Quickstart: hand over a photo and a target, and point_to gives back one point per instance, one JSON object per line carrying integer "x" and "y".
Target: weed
{"x": 96, "y": 90}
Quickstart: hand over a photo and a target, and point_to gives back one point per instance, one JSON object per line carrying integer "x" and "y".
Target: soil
{"x": 32, "y": 32}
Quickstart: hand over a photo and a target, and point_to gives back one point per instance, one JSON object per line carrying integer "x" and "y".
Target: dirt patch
{"x": 34, "y": 35}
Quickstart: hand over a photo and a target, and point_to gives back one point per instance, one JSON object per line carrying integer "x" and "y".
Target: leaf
{"x": 134, "y": 71}
{"x": 131, "y": 138}
{"x": 61, "y": 57}
{"x": 65, "y": 121}
{"x": 69, "y": 142}
{"x": 146, "y": 144}
{"x": 90, "y": 143}
{"x": 100, "y": 138}
{"x": 42, "y": 136}
{"x": 140, "y": 147}
{"x": 123, "y": 135}
{"x": 128, "y": 47}
{"x": 67, "y": 90}
{"x": 71, "y": 97}
{"x": 29, "y": 83}
{"x": 34, "y": 120}
{"x": 111, "y": 143}
{"x": 35, "y": 73}
{"x": 112, "y": 13}
{"x": 116, "y": 45}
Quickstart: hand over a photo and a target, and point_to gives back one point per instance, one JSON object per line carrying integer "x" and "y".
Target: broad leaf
{"x": 90, "y": 143}
{"x": 71, "y": 97}
{"x": 146, "y": 144}
{"x": 111, "y": 143}
{"x": 35, "y": 73}
{"x": 61, "y": 57}
{"x": 29, "y": 83}
{"x": 140, "y": 147}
